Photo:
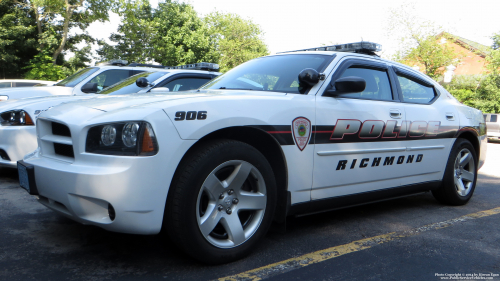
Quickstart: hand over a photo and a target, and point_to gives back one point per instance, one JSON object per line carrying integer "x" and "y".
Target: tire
{"x": 459, "y": 180}
{"x": 221, "y": 202}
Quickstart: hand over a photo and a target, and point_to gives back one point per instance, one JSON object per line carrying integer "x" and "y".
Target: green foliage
{"x": 181, "y": 36}
{"x": 494, "y": 59}
{"x": 42, "y": 68}
{"x": 132, "y": 43}
{"x": 17, "y": 38}
{"x": 478, "y": 91}
{"x": 419, "y": 44}
{"x": 432, "y": 55}
{"x": 173, "y": 34}
{"x": 496, "y": 41}
{"x": 236, "y": 40}
{"x": 81, "y": 59}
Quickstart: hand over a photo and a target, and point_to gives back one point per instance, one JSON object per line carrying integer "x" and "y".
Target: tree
{"x": 419, "y": 42}
{"x": 181, "y": 36}
{"x": 42, "y": 68}
{"x": 494, "y": 57}
{"x": 55, "y": 18}
{"x": 496, "y": 41}
{"x": 482, "y": 91}
{"x": 432, "y": 55}
{"x": 172, "y": 34}
{"x": 133, "y": 42}
{"x": 236, "y": 40}
{"x": 17, "y": 38}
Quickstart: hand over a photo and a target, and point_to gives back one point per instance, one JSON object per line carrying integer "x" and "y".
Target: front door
{"x": 357, "y": 144}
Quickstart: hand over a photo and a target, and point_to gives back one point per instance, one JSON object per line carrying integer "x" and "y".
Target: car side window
{"x": 113, "y": 76}
{"x": 414, "y": 91}
{"x": 378, "y": 86}
{"x": 25, "y": 84}
{"x": 493, "y": 118}
{"x": 4, "y": 84}
{"x": 185, "y": 84}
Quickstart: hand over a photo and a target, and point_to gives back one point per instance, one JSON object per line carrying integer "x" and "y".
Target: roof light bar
{"x": 363, "y": 47}
{"x": 113, "y": 62}
{"x": 197, "y": 66}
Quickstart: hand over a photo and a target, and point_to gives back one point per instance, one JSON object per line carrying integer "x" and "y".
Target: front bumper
{"x": 90, "y": 186}
{"x": 131, "y": 188}
{"x": 16, "y": 141}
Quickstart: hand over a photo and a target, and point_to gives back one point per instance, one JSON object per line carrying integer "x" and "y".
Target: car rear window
{"x": 414, "y": 91}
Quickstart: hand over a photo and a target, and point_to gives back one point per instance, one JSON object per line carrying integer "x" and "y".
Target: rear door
{"x": 432, "y": 124}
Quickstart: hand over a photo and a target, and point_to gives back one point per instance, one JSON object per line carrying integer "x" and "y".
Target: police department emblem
{"x": 301, "y": 129}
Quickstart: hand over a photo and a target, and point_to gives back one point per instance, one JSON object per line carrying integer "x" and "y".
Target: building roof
{"x": 481, "y": 49}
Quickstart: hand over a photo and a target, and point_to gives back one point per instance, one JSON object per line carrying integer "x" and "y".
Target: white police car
{"x": 17, "y": 117}
{"x": 86, "y": 81}
{"x": 7, "y": 84}
{"x": 294, "y": 133}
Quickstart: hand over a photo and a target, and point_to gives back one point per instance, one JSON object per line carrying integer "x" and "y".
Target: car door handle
{"x": 394, "y": 113}
{"x": 450, "y": 116}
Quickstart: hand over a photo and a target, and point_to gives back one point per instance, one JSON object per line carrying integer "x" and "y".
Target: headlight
{"x": 4, "y": 98}
{"x": 15, "y": 118}
{"x": 132, "y": 138}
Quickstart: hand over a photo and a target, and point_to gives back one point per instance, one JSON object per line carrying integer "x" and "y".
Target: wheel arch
{"x": 472, "y": 138}
{"x": 269, "y": 147}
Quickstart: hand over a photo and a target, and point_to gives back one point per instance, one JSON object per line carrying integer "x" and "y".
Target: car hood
{"x": 34, "y": 101}
{"x": 112, "y": 103}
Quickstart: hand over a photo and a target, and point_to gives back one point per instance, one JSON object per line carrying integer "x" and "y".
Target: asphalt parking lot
{"x": 412, "y": 238}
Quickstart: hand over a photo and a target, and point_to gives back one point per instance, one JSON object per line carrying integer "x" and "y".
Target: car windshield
{"x": 276, "y": 73}
{"x": 128, "y": 85}
{"x": 78, "y": 77}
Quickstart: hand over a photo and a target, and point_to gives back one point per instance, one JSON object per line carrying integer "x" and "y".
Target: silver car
{"x": 492, "y": 125}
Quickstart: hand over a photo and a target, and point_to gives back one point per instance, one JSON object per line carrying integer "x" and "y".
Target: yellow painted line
{"x": 337, "y": 251}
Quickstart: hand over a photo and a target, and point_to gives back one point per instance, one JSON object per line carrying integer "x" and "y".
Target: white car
{"x": 14, "y": 83}
{"x": 17, "y": 117}
{"x": 85, "y": 81}
{"x": 294, "y": 133}
{"x": 492, "y": 125}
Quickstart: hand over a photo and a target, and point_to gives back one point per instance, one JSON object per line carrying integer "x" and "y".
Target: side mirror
{"x": 159, "y": 90}
{"x": 347, "y": 85}
{"x": 142, "y": 82}
{"x": 89, "y": 88}
{"x": 309, "y": 76}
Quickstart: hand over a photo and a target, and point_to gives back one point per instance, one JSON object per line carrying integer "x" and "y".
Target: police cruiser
{"x": 17, "y": 117}
{"x": 293, "y": 133}
{"x": 90, "y": 80}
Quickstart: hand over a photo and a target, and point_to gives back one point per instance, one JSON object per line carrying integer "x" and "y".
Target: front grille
{"x": 60, "y": 130}
{"x": 54, "y": 139}
{"x": 64, "y": 150}
{"x": 4, "y": 155}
